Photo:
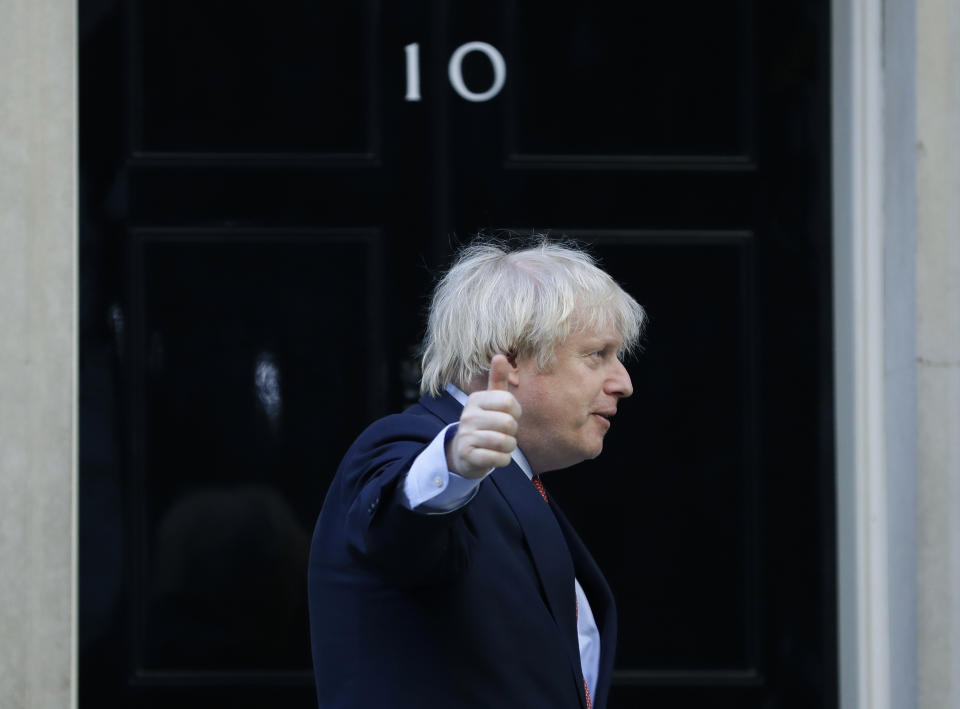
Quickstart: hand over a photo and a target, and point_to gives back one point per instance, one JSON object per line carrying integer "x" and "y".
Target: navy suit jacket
{"x": 474, "y": 608}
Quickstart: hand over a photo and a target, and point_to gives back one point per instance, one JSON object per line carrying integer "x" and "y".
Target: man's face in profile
{"x": 567, "y": 409}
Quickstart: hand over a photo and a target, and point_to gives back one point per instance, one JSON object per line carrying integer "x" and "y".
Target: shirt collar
{"x": 517, "y": 456}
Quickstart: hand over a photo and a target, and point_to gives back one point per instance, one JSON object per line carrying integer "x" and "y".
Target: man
{"x": 441, "y": 572}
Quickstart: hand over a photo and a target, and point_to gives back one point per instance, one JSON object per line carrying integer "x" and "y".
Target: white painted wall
{"x": 38, "y": 353}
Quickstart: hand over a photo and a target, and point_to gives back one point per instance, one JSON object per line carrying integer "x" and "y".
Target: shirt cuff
{"x": 430, "y": 487}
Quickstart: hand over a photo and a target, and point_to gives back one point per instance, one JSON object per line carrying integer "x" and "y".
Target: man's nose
{"x": 618, "y": 383}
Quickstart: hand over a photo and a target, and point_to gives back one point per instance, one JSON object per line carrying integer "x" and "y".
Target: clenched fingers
{"x": 477, "y": 419}
{"x": 488, "y": 426}
{"x": 493, "y": 400}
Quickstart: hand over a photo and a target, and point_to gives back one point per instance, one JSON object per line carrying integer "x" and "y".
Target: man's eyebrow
{"x": 601, "y": 344}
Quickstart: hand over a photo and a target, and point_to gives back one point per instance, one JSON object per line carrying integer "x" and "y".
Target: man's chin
{"x": 575, "y": 457}
{"x": 591, "y": 453}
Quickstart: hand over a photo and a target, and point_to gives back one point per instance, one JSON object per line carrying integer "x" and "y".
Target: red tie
{"x": 543, "y": 493}
{"x": 539, "y": 485}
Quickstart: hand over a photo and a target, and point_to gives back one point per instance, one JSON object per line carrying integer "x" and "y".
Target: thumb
{"x": 499, "y": 373}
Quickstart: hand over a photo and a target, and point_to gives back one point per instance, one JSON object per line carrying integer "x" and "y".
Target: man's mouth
{"x": 605, "y": 416}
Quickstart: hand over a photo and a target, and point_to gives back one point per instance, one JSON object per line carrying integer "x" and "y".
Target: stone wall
{"x": 938, "y": 353}
{"x": 38, "y": 353}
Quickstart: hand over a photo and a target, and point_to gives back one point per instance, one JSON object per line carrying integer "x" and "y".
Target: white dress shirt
{"x": 430, "y": 487}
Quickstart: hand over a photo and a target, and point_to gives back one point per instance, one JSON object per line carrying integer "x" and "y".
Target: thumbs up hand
{"x": 488, "y": 426}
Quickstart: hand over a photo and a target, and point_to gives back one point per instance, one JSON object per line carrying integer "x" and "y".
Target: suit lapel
{"x": 601, "y": 602}
{"x": 550, "y": 553}
{"x": 551, "y": 557}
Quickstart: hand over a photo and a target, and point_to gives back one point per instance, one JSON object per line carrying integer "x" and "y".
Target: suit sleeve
{"x": 408, "y": 547}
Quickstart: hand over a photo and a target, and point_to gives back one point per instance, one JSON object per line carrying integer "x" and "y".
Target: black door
{"x": 267, "y": 191}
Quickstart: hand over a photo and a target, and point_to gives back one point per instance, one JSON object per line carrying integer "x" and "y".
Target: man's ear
{"x": 514, "y": 377}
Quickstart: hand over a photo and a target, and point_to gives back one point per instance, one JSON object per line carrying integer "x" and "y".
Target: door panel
{"x": 244, "y": 78}
{"x": 233, "y": 440}
{"x": 630, "y": 83}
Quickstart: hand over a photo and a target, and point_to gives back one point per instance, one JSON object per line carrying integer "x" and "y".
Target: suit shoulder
{"x": 415, "y": 424}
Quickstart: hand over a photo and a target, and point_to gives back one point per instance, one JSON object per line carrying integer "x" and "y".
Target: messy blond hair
{"x": 522, "y": 300}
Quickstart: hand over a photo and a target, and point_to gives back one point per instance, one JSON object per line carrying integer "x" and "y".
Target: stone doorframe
{"x": 896, "y": 171}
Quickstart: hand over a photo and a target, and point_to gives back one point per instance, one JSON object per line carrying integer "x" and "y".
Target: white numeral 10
{"x": 455, "y": 73}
